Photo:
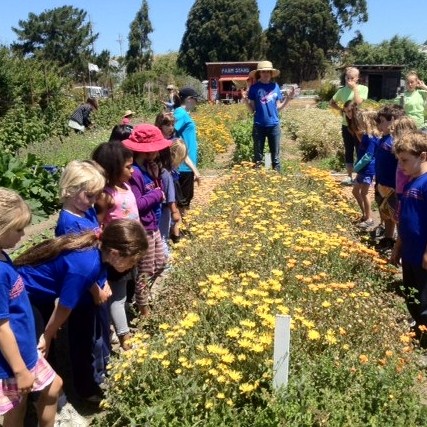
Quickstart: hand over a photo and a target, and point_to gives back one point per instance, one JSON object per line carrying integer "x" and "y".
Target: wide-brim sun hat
{"x": 146, "y": 138}
{"x": 170, "y": 87}
{"x": 264, "y": 66}
{"x": 128, "y": 113}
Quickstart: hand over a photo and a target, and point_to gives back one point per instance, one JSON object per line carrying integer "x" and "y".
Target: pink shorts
{"x": 9, "y": 394}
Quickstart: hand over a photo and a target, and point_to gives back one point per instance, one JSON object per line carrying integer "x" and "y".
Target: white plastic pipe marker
{"x": 282, "y": 335}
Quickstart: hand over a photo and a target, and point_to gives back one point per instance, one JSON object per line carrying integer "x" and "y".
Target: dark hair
{"x": 165, "y": 159}
{"x": 126, "y": 236}
{"x": 93, "y": 102}
{"x": 164, "y": 119}
{"x": 390, "y": 112}
{"x": 120, "y": 132}
{"x": 112, "y": 157}
{"x": 177, "y": 102}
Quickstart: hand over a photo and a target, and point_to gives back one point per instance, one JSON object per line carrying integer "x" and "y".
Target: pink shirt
{"x": 124, "y": 204}
{"x": 401, "y": 180}
{"x": 125, "y": 121}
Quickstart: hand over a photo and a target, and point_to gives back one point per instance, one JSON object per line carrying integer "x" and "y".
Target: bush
{"x": 242, "y": 135}
{"x": 317, "y": 132}
{"x": 326, "y": 91}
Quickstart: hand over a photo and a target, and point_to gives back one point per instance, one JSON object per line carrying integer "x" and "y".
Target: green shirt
{"x": 345, "y": 94}
{"x": 413, "y": 103}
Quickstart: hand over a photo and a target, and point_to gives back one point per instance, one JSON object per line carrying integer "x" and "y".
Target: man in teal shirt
{"x": 352, "y": 91}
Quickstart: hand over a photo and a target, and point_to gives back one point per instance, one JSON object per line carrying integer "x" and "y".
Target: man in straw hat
{"x": 127, "y": 117}
{"x": 265, "y": 100}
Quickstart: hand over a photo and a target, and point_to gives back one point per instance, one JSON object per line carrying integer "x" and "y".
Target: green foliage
{"x": 241, "y": 132}
{"x": 220, "y": 30}
{"x": 301, "y": 35}
{"x": 396, "y": 51}
{"x": 28, "y": 177}
{"x": 60, "y": 35}
{"x": 140, "y": 55}
{"x": 317, "y": 132}
{"x": 349, "y": 11}
{"x": 326, "y": 91}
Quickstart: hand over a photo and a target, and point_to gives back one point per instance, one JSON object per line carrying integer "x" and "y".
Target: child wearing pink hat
{"x": 146, "y": 141}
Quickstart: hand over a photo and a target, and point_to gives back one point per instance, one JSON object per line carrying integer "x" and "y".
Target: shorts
{"x": 9, "y": 394}
{"x": 387, "y": 202}
{"x": 364, "y": 179}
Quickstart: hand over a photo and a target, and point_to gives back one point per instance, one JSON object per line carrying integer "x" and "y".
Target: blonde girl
{"x": 365, "y": 128}
{"x": 23, "y": 369}
{"x": 400, "y": 126}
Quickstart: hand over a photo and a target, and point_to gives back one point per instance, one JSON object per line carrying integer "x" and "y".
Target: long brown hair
{"x": 127, "y": 236}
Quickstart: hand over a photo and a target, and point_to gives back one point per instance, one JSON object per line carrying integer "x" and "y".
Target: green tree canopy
{"x": 220, "y": 30}
{"x": 61, "y": 35}
{"x": 396, "y": 51}
{"x": 139, "y": 56}
{"x": 301, "y": 36}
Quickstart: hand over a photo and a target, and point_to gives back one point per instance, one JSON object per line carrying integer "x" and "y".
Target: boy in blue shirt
{"x": 411, "y": 245}
{"x": 385, "y": 175}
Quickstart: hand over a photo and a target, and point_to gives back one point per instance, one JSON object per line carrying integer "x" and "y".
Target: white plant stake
{"x": 282, "y": 335}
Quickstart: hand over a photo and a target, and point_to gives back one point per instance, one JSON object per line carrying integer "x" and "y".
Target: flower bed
{"x": 270, "y": 244}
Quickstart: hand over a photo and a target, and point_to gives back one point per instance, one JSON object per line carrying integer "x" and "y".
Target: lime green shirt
{"x": 345, "y": 94}
{"x": 413, "y": 103}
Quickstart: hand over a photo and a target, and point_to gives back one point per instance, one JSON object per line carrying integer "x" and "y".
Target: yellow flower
{"x": 313, "y": 335}
{"x": 233, "y": 332}
{"x": 235, "y": 375}
{"x": 326, "y": 304}
{"x": 227, "y": 358}
{"x": 220, "y": 396}
{"x": 248, "y": 323}
{"x": 246, "y": 388}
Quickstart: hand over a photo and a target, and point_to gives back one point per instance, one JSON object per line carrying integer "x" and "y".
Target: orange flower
{"x": 363, "y": 358}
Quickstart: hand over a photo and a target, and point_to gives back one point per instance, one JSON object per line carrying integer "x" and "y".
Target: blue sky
{"x": 111, "y": 19}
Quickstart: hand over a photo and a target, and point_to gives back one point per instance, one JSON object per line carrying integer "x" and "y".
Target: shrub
{"x": 326, "y": 91}
{"x": 242, "y": 135}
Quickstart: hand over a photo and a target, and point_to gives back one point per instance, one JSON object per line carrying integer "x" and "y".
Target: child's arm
{"x": 57, "y": 319}
{"x": 395, "y": 253}
{"x": 193, "y": 168}
{"x": 145, "y": 201}
{"x": 175, "y": 215}
{"x": 10, "y": 351}
{"x": 102, "y": 205}
{"x": 100, "y": 296}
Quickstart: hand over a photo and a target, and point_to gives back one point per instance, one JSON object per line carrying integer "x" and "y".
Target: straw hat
{"x": 170, "y": 87}
{"x": 128, "y": 113}
{"x": 264, "y": 66}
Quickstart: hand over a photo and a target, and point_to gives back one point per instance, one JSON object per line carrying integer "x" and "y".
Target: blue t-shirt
{"x": 385, "y": 162}
{"x": 186, "y": 129}
{"x": 367, "y": 145}
{"x": 68, "y": 277}
{"x": 413, "y": 220}
{"x": 71, "y": 223}
{"x": 15, "y": 307}
{"x": 265, "y": 96}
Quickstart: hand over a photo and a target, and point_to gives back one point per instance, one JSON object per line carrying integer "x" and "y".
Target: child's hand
{"x": 424, "y": 264}
{"x": 395, "y": 257}
{"x": 24, "y": 381}
{"x": 197, "y": 178}
{"x": 176, "y": 216}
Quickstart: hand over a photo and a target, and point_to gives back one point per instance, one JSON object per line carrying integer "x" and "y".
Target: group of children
{"x": 119, "y": 211}
{"x": 392, "y": 151}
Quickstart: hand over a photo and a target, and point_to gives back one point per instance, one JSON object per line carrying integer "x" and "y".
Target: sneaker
{"x": 347, "y": 181}
{"x": 69, "y": 417}
{"x": 366, "y": 224}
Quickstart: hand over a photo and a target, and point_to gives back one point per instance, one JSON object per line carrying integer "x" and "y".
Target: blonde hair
{"x": 352, "y": 70}
{"x": 402, "y": 124}
{"x": 364, "y": 122}
{"x": 178, "y": 152}
{"x": 15, "y": 214}
{"x": 410, "y": 74}
{"x": 411, "y": 141}
{"x": 126, "y": 236}
{"x": 78, "y": 176}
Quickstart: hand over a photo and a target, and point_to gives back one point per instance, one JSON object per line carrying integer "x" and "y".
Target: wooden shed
{"x": 226, "y": 79}
{"x": 382, "y": 80}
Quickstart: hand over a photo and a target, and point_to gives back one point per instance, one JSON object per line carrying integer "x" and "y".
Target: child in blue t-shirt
{"x": 411, "y": 245}
{"x": 23, "y": 369}
{"x": 65, "y": 268}
{"x": 385, "y": 174}
{"x": 365, "y": 128}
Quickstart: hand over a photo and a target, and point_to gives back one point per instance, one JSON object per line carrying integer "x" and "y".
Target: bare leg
{"x": 15, "y": 417}
{"x": 364, "y": 191}
{"x": 389, "y": 228}
{"x": 358, "y": 197}
{"x": 47, "y": 403}
{"x": 349, "y": 168}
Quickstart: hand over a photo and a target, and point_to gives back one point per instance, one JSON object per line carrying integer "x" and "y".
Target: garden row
{"x": 271, "y": 244}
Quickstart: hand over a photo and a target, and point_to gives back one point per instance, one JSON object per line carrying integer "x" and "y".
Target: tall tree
{"x": 397, "y": 51}
{"x": 61, "y": 35}
{"x": 301, "y": 35}
{"x": 220, "y": 30}
{"x": 139, "y": 56}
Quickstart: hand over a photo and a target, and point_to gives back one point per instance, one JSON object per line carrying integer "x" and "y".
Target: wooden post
{"x": 282, "y": 334}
